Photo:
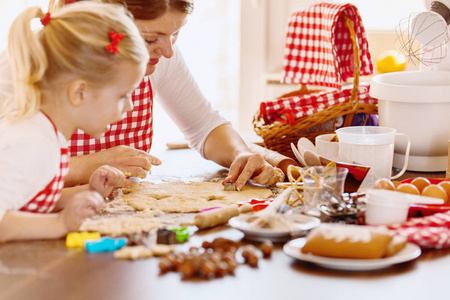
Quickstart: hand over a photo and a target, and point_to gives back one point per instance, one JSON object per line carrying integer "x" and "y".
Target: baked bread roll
{"x": 397, "y": 244}
{"x": 352, "y": 241}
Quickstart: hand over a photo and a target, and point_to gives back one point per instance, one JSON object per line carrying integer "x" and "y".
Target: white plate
{"x": 409, "y": 252}
{"x": 299, "y": 224}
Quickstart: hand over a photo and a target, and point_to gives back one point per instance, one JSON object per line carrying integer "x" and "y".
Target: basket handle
{"x": 303, "y": 90}
{"x": 357, "y": 62}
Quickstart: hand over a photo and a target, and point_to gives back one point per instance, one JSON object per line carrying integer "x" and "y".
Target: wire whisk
{"x": 422, "y": 38}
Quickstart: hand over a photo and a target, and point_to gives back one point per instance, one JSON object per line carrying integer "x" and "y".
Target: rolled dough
{"x": 184, "y": 197}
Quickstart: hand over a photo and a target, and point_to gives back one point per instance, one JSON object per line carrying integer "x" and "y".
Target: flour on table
{"x": 188, "y": 197}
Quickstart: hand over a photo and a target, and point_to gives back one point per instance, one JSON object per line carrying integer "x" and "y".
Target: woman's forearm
{"x": 223, "y": 145}
{"x": 80, "y": 169}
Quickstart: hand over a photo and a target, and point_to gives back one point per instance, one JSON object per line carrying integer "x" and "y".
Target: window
{"x": 384, "y": 15}
{"x": 210, "y": 45}
{"x": 9, "y": 9}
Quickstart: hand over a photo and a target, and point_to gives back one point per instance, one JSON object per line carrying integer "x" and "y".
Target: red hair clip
{"x": 115, "y": 39}
{"x": 45, "y": 20}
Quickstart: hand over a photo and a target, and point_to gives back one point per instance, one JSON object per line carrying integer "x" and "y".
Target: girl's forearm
{"x": 17, "y": 225}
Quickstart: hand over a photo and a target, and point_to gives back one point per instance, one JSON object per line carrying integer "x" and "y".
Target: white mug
{"x": 372, "y": 146}
{"x": 326, "y": 148}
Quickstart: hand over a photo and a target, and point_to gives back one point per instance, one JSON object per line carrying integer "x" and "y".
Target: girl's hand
{"x": 250, "y": 165}
{"x": 105, "y": 178}
{"x": 81, "y": 206}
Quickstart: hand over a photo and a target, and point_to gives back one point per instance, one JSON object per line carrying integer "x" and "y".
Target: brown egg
{"x": 384, "y": 184}
{"x": 436, "y": 191}
{"x": 446, "y": 186}
{"x": 408, "y": 188}
{"x": 396, "y": 183}
{"x": 421, "y": 183}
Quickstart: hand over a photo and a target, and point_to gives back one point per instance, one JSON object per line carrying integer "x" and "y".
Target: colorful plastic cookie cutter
{"x": 257, "y": 204}
{"x": 76, "y": 239}
{"x": 182, "y": 233}
{"x": 105, "y": 244}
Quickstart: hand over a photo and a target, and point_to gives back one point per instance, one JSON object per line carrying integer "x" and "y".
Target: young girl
{"x": 77, "y": 72}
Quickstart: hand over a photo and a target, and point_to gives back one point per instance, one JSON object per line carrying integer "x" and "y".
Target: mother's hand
{"x": 250, "y": 165}
{"x": 130, "y": 161}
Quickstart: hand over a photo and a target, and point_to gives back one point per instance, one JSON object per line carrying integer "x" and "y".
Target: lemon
{"x": 391, "y": 61}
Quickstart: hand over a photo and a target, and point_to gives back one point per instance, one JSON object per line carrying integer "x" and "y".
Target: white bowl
{"x": 416, "y": 103}
{"x": 386, "y": 207}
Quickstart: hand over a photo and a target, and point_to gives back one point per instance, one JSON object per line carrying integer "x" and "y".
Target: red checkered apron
{"x": 135, "y": 130}
{"x": 45, "y": 200}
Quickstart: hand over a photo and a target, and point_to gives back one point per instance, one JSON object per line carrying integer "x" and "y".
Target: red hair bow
{"x": 115, "y": 39}
{"x": 45, "y": 20}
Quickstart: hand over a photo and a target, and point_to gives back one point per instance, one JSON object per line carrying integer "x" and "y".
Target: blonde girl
{"x": 77, "y": 72}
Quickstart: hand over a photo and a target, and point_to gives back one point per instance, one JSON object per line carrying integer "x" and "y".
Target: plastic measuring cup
{"x": 372, "y": 146}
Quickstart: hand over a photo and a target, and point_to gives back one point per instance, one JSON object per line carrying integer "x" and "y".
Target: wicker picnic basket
{"x": 278, "y": 136}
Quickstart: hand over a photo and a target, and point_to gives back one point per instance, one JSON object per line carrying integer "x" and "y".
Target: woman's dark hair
{"x": 153, "y": 9}
{"x": 141, "y": 9}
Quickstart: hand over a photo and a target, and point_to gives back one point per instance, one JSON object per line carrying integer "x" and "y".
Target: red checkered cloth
{"x": 289, "y": 109}
{"x": 430, "y": 232}
{"x": 319, "y": 50}
{"x": 135, "y": 130}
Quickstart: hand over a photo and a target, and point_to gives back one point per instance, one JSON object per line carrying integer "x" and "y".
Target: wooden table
{"x": 48, "y": 270}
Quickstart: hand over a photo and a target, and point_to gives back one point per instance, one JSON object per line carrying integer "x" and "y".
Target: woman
{"x": 168, "y": 79}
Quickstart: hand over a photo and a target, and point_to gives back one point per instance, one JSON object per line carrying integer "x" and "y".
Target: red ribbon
{"x": 45, "y": 20}
{"x": 115, "y": 39}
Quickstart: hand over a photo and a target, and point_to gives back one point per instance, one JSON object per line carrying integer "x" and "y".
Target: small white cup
{"x": 386, "y": 207}
{"x": 326, "y": 148}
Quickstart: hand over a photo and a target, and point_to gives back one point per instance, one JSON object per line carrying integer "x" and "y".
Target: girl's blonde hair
{"x": 72, "y": 43}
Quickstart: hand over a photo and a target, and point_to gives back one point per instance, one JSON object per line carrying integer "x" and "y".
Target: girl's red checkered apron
{"x": 135, "y": 130}
{"x": 45, "y": 200}
{"x": 326, "y": 44}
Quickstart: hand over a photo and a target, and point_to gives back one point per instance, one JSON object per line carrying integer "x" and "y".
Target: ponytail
{"x": 29, "y": 62}
{"x": 55, "y": 5}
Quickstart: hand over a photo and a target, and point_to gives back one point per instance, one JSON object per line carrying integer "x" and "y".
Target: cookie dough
{"x": 181, "y": 197}
{"x": 133, "y": 253}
